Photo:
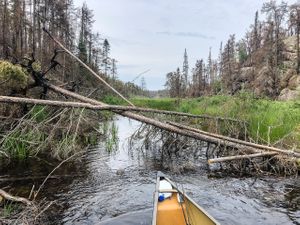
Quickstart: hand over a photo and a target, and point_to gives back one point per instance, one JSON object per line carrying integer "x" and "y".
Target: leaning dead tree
{"x": 249, "y": 150}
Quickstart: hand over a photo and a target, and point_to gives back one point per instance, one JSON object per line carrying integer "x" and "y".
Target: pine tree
{"x": 276, "y": 15}
{"x": 105, "y": 57}
{"x": 228, "y": 64}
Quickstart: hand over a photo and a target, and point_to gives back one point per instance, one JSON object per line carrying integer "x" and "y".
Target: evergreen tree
{"x": 105, "y": 57}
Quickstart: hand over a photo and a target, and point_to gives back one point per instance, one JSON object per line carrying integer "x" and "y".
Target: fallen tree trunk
{"x": 238, "y": 157}
{"x": 8, "y": 99}
{"x": 9, "y": 197}
{"x": 238, "y": 141}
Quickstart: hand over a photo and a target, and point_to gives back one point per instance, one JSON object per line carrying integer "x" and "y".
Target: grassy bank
{"x": 50, "y": 132}
{"x": 268, "y": 121}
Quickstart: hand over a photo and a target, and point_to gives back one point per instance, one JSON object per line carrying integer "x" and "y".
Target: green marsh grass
{"x": 268, "y": 121}
{"x": 39, "y": 113}
{"x": 18, "y": 144}
{"x": 8, "y": 209}
{"x": 162, "y": 103}
{"x": 112, "y": 139}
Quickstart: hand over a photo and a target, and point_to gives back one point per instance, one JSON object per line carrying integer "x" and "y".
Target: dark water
{"x": 115, "y": 186}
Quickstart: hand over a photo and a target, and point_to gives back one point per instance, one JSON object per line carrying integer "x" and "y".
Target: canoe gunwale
{"x": 155, "y": 201}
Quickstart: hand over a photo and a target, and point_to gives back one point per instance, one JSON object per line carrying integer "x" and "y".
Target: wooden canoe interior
{"x": 171, "y": 212}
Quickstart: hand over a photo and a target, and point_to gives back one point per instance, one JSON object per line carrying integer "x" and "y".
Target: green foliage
{"x": 155, "y": 103}
{"x": 8, "y": 208}
{"x": 111, "y": 135}
{"x": 216, "y": 86}
{"x": 272, "y": 121}
{"x": 18, "y": 144}
{"x": 268, "y": 121}
{"x": 37, "y": 66}
{"x": 91, "y": 139}
{"x": 13, "y": 75}
{"x": 113, "y": 100}
{"x": 39, "y": 113}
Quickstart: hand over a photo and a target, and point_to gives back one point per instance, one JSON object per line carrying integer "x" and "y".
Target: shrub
{"x": 13, "y": 75}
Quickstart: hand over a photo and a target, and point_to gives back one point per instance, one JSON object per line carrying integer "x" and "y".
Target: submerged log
{"x": 238, "y": 141}
{"x": 238, "y": 157}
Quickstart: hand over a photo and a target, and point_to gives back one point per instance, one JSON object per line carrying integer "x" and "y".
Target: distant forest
{"x": 22, "y": 38}
{"x": 265, "y": 62}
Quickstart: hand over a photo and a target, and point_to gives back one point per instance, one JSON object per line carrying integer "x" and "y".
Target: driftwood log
{"x": 238, "y": 141}
{"x": 10, "y": 197}
{"x": 238, "y": 157}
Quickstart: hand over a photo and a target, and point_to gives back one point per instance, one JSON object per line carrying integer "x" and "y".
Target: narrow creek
{"x": 117, "y": 184}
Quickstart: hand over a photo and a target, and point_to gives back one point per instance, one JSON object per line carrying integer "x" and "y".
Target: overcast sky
{"x": 152, "y": 34}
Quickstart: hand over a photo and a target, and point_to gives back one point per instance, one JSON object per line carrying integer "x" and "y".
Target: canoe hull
{"x": 178, "y": 209}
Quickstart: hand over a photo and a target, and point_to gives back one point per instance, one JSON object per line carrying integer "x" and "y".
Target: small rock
{"x": 287, "y": 94}
{"x": 120, "y": 172}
